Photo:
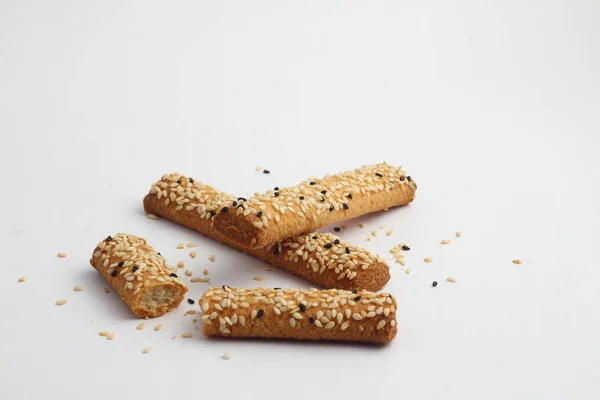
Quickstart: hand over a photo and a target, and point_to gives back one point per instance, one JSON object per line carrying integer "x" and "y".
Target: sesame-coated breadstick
{"x": 281, "y": 213}
{"x": 323, "y": 259}
{"x": 138, "y": 274}
{"x": 299, "y": 314}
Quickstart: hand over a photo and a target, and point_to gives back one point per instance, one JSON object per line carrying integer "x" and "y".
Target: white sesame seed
{"x": 428, "y": 259}
{"x": 357, "y": 316}
{"x": 374, "y": 233}
{"x": 193, "y": 254}
{"x": 226, "y": 356}
{"x": 110, "y": 336}
{"x": 458, "y": 234}
{"x": 191, "y": 245}
{"x": 78, "y": 288}
{"x": 186, "y": 335}
{"x": 211, "y": 258}
{"x": 345, "y": 325}
{"x": 188, "y": 272}
{"x": 180, "y": 246}
{"x": 381, "y": 324}
{"x": 152, "y": 216}
{"x": 258, "y": 278}
{"x": 158, "y": 327}
{"x": 147, "y": 350}
{"x": 61, "y": 302}
{"x": 292, "y": 322}
{"x": 62, "y": 255}
{"x": 297, "y": 315}
{"x": 103, "y": 333}
{"x": 451, "y": 279}
{"x": 517, "y": 261}
{"x": 180, "y": 264}
{"x": 329, "y": 325}
{"x": 204, "y": 280}
{"x": 445, "y": 241}
{"x": 22, "y": 279}
{"x": 140, "y": 326}
{"x": 389, "y": 233}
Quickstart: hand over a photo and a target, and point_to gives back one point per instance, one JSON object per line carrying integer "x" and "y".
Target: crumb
{"x": 61, "y": 302}
{"x": 62, "y": 255}
{"x": 140, "y": 326}
{"x": 362, "y": 226}
{"x": 211, "y": 258}
{"x": 205, "y": 272}
{"x": 78, "y": 288}
{"x": 258, "y": 278}
{"x": 152, "y": 216}
{"x": 374, "y": 233}
{"x": 22, "y": 280}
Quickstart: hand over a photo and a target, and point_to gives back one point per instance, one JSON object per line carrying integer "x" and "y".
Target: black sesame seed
{"x": 314, "y": 237}
{"x": 347, "y": 250}
{"x": 121, "y": 264}
{"x": 345, "y": 206}
{"x": 312, "y": 183}
{"x": 260, "y": 313}
{"x": 357, "y": 298}
{"x": 328, "y": 246}
{"x": 408, "y": 178}
{"x": 434, "y": 283}
{"x": 322, "y": 199}
{"x": 354, "y": 290}
{"x": 336, "y": 241}
{"x": 240, "y": 205}
{"x": 234, "y": 203}
{"x": 276, "y": 188}
{"x": 108, "y": 238}
{"x": 323, "y": 191}
{"x": 301, "y": 197}
{"x": 378, "y": 174}
{"x": 114, "y": 273}
{"x": 276, "y": 194}
{"x": 331, "y": 208}
{"x": 213, "y": 213}
{"x": 224, "y": 286}
{"x": 349, "y": 196}
{"x": 311, "y": 320}
{"x": 173, "y": 275}
{"x": 266, "y": 171}
{"x": 191, "y": 180}
{"x": 179, "y": 181}
{"x": 135, "y": 268}
{"x": 241, "y": 199}
{"x": 224, "y": 209}
{"x": 337, "y": 229}
{"x": 159, "y": 253}
{"x": 402, "y": 178}
{"x": 277, "y": 288}
{"x": 259, "y": 214}
{"x": 302, "y": 307}
{"x": 276, "y": 250}
{"x": 405, "y": 248}
{"x": 191, "y": 301}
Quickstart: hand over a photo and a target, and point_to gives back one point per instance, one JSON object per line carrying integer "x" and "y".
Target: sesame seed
{"x": 451, "y": 279}
{"x": 147, "y": 350}
{"x": 301, "y": 197}
{"x": 311, "y": 320}
{"x": 158, "y": 327}
{"x": 108, "y": 238}
{"x": 379, "y": 175}
{"x": 276, "y": 194}
{"x": 323, "y": 191}
{"x": 135, "y": 268}
{"x": 191, "y": 245}
{"x": 259, "y": 214}
{"x": 61, "y": 302}
{"x": 312, "y": 183}
{"x": 77, "y": 288}
{"x": 434, "y": 283}
{"x": 458, "y": 234}
{"x": 191, "y": 301}
{"x": 336, "y": 241}
{"x": 205, "y": 272}
{"x": 186, "y": 335}
{"x": 337, "y": 229}
{"x": 328, "y": 246}
{"x": 110, "y": 336}
{"x": 357, "y": 298}
{"x": 140, "y": 326}
{"x": 106, "y": 290}
{"x": 428, "y": 259}
{"x": 302, "y": 307}
{"x": 224, "y": 209}
{"x": 362, "y": 226}
{"x": 331, "y": 208}
{"x": 374, "y": 233}
{"x": 121, "y": 264}
{"x": 405, "y": 247}
{"x": 103, "y": 333}
{"x": 152, "y": 216}
{"x": 191, "y": 180}
{"x": 114, "y": 273}
{"x": 188, "y": 272}
{"x": 258, "y": 278}
{"x": 211, "y": 258}
{"x": 180, "y": 264}
{"x": 173, "y": 275}
{"x": 276, "y": 250}
{"x": 235, "y": 203}
{"x": 354, "y": 291}
{"x": 345, "y": 206}
{"x": 190, "y": 312}
{"x": 193, "y": 254}
{"x": 62, "y": 255}
{"x": 276, "y": 188}
{"x": 380, "y": 324}
{"x": 389, "y": 233}
{"x": 407, "y": 271}
{"x": 265, "y": 268}
{"x": 349, "y": 196}
{"x": 204, "y": 280}
{"x": 260, "y": 313}
{"x": 22, "y": 280}
{"x": 266, "y": 171}
{"x": 257, "y": 168}
{"x": 445, "y": 241}
{"x": 347, "y": 250}
{"x": 408, "y": 178}
{"x": 517, "y": 261}
{"x": 226, "y": 356}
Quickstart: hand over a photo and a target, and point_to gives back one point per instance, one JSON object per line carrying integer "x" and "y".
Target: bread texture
{"x": 281, "y": 213}
{"x": 139, "y": 275}
{"x": 299, "y": 314}
{"x": 323, "y": 259}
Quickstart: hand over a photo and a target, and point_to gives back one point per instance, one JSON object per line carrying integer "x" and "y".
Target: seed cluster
{"x": 316, "y": 196}
{"x": 324, "y": 252}
{"x": 138, "y": 263}
{"x": 323, "y": 309}
{"x": 397, "y": 253}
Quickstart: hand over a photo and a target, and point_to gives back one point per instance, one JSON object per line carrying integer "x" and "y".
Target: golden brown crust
{"x": 299, "y": 314}
{"x": 304, "y": 255}
{"x": 281, "y": 213}
{"x": 139, "y": 275}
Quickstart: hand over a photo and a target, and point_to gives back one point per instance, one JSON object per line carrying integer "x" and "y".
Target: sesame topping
{"x": 517, "y": 261}
{"x": 188, "y": 272}
{"x": 152, "y": 216}
{"x": 135, "y": 268}
{"x": 428, "y": 259}
{"x": 140, "y": 326}
{"x": 259, "y": 214}
{"x": 77, "y": 288}
{"x": 61, "y": 302}
{"x": 191, "y": 301}
{"x": 173, "y": 275}
{"x": 260, "y": 313}
{"x": 266, "y": 171}
{"x": 121, "y": 264}
{"x": 258, "y": 278}
{"x": 345, "y": 205}
{"x": 458, "y": 234}
{"x": 114, "y": 273}
{"x": 379, "y": 175}
{"x": 337, "y": 229}
{"x": 434, "y": 283}
{"x": 328, "y": 246}
{"x": 147, "y": 350}
{"x": 62, "y": 255}
{"x": 405, "y": 247}
{"x": 158, "y": 327}
{"x": 22, "y": 279}
{"x": 224, "y": 209}
{"x": 451, "y": 279}
{"x": 191, "y": 245}
{"x": 445, "y": 241}
{"x": 211, "y": 258}
{"x": 186, "y": 335}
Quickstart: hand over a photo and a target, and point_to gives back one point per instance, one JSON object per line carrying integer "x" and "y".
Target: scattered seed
{"x": 190, "y": 312}
{"x": 180, "y": 246}
{"x": 445, "y": 241}
{"x": 106, "y": 290}
{"x": 226, "y": 356}
{"x": 517, "y": 261}
{"x": 158, "y": 327}
{"x": 451, "y": 279}
{"x": 140, "y": 326}
{"x": 389, "y": 233}
{"x": 78, "y": 288}
{"x": 60, "y": 302}
{"x": 62, "y": 255}
{"x": 205, "y": 272}
{"x": 405, "y": 247}
{"x": 173, "y": 275}
{"x": 407, "y": 271}
{"x": 266, "y": 171}
{"x": 265, "y": 268}
{"x": 369, "y": 239}
{"x": 428, "y": 259}
{"x": 337, "y": 229}
{"x": 458, "y": 234}
{"x": 200, "y": 280}
{"x": 103, "y": 333}
{"x": 191, "y": 301}
{"x": 434, "y": 283}
{"x": 258, "y": 278}
{"x": 180, "y": 264}
{"x": 211, "y": 258}
{"x": 152, "y": 216}
{"x": 374, "y": 233}
{"x": 186, "y": 335}
{"x": 193, "y": 254}
{"x": 188, "y": 272}
{"x": 257, "y": 168}
{"x": 147, "y": 350}
{"x": 362, "y": 226}
{"x": 110, "y": 336}
{"x": 22, "y": 279}
{"x": 191, "y": 245}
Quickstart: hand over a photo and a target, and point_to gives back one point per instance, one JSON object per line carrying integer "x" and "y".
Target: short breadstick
{"x": 299, "y": 314}
{"x": 323, "y": 259}
{"x": 138, "y": 274}
{"x": 282, "y": 213}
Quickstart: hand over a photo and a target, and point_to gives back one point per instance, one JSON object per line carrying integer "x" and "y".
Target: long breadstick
{"x": 138, "y": 274}
{"x": 323, "y": 259}
{"x": 299, "y": 314}
{"x": 281, "y": 213}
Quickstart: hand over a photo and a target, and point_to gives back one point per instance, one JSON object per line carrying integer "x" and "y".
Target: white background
{"x": 492, "y": 107}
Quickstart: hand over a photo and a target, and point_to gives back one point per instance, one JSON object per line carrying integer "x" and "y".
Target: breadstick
{"x": 323, "y": 259}
{"x": 299, "y": 314}
{"x": 139, "y": 275}
{"x": 281, "y": 213}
